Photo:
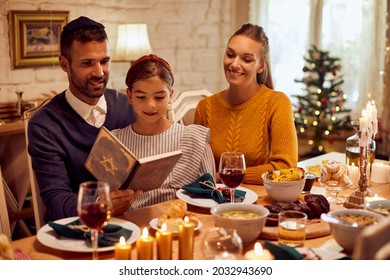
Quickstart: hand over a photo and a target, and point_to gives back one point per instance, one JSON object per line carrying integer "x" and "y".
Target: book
{"x": 111, "y": 161}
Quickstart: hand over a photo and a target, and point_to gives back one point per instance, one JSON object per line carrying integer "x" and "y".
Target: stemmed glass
{"x": 333, "y": 187}
{"x": 222, "y": 244}
{"x": 232, "y": 170}
{"x": 94, "y": 208}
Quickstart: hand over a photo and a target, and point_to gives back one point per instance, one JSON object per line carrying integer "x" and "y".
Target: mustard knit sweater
{"x": 262, "y": 128}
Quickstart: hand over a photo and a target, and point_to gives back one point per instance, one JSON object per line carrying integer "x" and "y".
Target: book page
{"x": 153, "y": 171}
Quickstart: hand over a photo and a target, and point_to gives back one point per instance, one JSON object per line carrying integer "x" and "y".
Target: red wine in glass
{"x": 232, "y": 170}
{"x": 232, "y": 178}
{"x": 94, "y": 215}
{"x": 94, "y": 209}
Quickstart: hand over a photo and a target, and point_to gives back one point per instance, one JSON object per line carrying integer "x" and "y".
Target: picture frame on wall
{"x": 35, "y": 37}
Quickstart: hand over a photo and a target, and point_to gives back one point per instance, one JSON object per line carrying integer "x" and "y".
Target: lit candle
{"x": 186, "y": 240}
{"x": 164, "y": 243}
{"x": 380, "y": 173}
{"x": 353, "y": 172}
{"x": 363, "y": 122}
{"x": 122, "y": 250}
{"x": 145, "y": 246}
{"x": 258, "y": 253}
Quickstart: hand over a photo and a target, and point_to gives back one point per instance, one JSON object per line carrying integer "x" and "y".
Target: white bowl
{"x": 288, "y": 191}
{"x": 345, "y": 235}
{"x": 379, "y": 206}
{"x": 247, "y": 229}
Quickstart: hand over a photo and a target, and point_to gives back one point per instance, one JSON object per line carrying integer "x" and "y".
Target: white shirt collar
{"x": 82, "y": 108}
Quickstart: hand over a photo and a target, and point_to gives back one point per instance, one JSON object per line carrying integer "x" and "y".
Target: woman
{"x": 249, "y": 116}
{"x": 150, "y": 88}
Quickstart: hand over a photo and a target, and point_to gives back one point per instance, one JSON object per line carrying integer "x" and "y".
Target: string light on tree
{"x": 322, "y": 108}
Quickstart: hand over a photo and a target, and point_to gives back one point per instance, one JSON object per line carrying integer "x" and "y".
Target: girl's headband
{"x": 153, "y": 57}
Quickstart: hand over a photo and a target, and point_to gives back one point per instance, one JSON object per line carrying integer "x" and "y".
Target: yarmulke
{"x": 82, "y": 22}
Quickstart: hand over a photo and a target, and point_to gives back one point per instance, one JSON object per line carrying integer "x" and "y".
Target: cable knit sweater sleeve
{"x": 262, "y": 128}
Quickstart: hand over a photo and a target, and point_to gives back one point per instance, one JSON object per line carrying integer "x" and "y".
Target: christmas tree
{"x": 321, "y": 111}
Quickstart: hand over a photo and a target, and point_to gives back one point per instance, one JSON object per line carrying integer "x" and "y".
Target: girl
{"x": 149, "y": 88}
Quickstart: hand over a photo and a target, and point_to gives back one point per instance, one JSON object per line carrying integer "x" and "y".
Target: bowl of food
{"x": 247, "y": 219}
{"x": 347, "y": 224}
{"x": 284, "y": 185}
{"x": 379, "y": 206}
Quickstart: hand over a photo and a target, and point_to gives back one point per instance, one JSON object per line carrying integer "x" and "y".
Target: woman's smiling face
{"x": 243, "y": 60}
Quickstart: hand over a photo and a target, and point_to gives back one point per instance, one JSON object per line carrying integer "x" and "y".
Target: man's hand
{"x": 122, "y": 199}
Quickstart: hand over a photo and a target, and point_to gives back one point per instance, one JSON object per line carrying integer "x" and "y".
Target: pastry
{"x": 177, "y": 209}
{"x": 173, "y": 223}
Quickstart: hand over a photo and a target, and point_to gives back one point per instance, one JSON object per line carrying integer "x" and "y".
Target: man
{"x": 62, "y": 133}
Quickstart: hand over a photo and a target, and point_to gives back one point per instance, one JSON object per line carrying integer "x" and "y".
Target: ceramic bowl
{"x": 247, "y": 228}
{"x": 379, "y": 206}
{"x": 288, "y": 191}
{"x": 345, "y": 235}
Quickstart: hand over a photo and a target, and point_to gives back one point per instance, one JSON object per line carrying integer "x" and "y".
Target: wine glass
{"x": 222, "y": 244}
{"x": 232, "y": 170}
{"x": 94, "y": 208}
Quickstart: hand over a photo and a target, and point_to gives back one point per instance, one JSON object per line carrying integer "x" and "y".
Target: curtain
{"x": 354, "y": 31}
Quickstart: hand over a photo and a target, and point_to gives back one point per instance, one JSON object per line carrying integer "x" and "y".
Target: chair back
{"x": 374, "y": 242}
{"x": 35, "y": 196}
{"x": 5, "y": 227}
{"x": 184, "y": 103}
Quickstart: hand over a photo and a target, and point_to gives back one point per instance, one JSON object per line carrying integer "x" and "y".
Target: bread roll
{"x": 177, "y": 209}
{"x": 173, "y": 223}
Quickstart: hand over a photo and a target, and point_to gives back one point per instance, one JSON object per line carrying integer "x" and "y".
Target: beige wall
{"x": 190, "y": 34}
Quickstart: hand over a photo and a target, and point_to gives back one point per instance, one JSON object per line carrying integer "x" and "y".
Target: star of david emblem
{"x": 109, "y": 165}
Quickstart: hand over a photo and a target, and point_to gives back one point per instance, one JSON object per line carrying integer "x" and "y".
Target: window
{"x": 354, "y": 31}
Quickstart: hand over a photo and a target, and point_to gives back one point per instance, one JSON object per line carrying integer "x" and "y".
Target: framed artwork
{"x": 35, "y": 37}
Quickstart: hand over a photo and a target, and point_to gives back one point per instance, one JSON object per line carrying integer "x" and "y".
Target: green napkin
{"x": 282, "y": 252}
{"x": 204, "y": 186}
{"x": 108, "y": 237}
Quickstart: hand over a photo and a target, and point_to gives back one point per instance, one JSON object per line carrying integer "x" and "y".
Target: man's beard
{"x": 84, "y": 86}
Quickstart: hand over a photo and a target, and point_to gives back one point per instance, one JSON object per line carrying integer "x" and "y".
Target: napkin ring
{"x": 211, "y": 185}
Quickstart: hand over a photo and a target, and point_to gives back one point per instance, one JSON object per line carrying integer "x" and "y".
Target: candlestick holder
{"x": 356, "y": 200}
{"x": 19, "y": 103}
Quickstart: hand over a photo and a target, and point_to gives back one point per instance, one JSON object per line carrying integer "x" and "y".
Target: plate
{"x": 250, "y": 197}
{"x": 48, "y": 237}
{"x": 153, "y": 225}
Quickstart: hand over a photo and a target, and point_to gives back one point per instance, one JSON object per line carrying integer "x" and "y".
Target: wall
{"x": 190, "y": 34}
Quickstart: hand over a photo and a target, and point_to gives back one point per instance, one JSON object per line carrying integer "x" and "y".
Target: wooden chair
{"x": 183, "y": 105}
{"x": 5, "y": 227}
{"x": 36, "y": 198}
{"x": 374, "y": 242}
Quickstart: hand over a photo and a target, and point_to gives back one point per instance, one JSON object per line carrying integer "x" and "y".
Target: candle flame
{"x": 353, "y": 164}
{"x": 186, "y": 219}
{"x": 122, "y": 240}
{"x": 164, "y": 227}
{"x": 145, "y": 232}
{"x": 258, "y": 249}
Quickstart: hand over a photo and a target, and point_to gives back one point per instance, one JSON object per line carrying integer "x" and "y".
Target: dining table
{"x": 142, "y": 217}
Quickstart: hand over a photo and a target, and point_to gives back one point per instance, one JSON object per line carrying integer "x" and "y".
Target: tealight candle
{"x": 186, "y": 240}
{"x": 353, "y": 175}
{"x": 164, "y": 243}
{"x": 258, "y": 253}
{"x": 380, "y": 172}
{"x": 145, "y": 246}
{"x": 122, "y": 250}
